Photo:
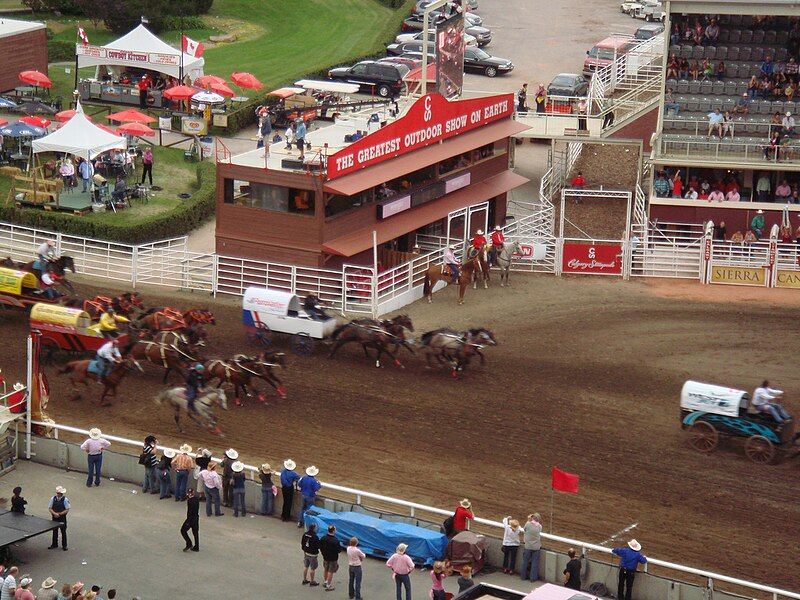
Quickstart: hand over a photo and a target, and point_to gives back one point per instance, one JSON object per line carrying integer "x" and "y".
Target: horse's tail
{"x": 426, "y": 287}
{"x": 426, "y": 338}
{"x": 161, "y": 397}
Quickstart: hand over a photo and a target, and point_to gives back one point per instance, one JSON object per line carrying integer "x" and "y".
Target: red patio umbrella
{"x": 131, "y": 115}
{"x": 3, "y": 122}
{"x": 180, "y": 92}
{"x": 36, "y": 121}
{"x": 246, "y": 80}
{"x": 207, "y": 80}
{"x": 222, "y": 89}
{"x": 35, "y": 78}
{"x": 66, "y": 115}
{"x": 135, "y": 129}
{"x": 106, "y": 128}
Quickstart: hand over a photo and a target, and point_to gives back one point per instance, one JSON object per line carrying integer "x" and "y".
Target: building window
{"x": 336, "y": 204}
{"x": 269, "y": 197}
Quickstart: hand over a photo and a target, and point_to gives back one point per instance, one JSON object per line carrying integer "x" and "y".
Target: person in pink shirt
{"x": 437, "y": 578}
{"x": 716, "y": 196}
{"x": 733, "y": 195}
{"x": 401, "y": 566}
{"x": 212, "y": 485}
{"x": 94, "y": 447}
{"x": 354, "y": 558}
{"x": 23, "y": 591}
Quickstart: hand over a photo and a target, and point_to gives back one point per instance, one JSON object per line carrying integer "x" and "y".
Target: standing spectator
{"x": 671, "y": 103}
{"x": 437, "y": 577}
{"x": 677, "y": 185}
{"x": 237, "y": 486}
{"x": 202, "y": 460}
{"x": 354, "y": 558}
{"x": 112, "y": 594}
{"x": 608, "y": 108}
{"x": 402, "y": 566}
{"x": 86, "y": 171}
{"x": 757, "y": 223}
{"x": 511, "y": 533}
{"x": 267, "y": 490}
{"x": 582, "y": 112}
{"x": 763, "y": 187}
{"x": 147, "y": 165}
{"x": 66, "y": 592}
{"x": 715, "y": 123}
{"x": 165, "y": 473}
{"x": 540, "y": 99}
{"x": 231, "y": 455}
{"x": 462, "y": 516}
{"x": 629, "y": 559}
{"x": 143, "y": 84}
{"x": 94, "y": 447}
{"x": 17, "y": 501}
{"x": 661, "y": 185}
{"x": 59, "y": 508}
{"x": 308, "y": 486}
{"x": 149, "y": 460}
{"x": 572, "y": 574}
{"x": 212, "y": 485}
{"x": 310, "y": 545}
{"x": 182, "y": 464}
{"x": 465, "y": 581}
{"x": 522, "y": 98}
{"x": 329, "y": 548}
{"x": 289, "y": 479}
{"x": 532, "y": 546}
{"x": 289, "y": 135}
{"x": 76, "y": 589}
{"x": 192, "y": 523}
{"x": 578, "y": 183}
{"x": 300, "y": 136}
{"x": 46, "y": 592}
{"x": 9, "y": 586}
{"x": 23, "y": 591}
{"x": 96, "y": 590}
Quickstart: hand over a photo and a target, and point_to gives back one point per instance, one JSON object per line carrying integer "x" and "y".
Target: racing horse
{"x": 58, "y": 266}
{"x": 124, "y": 304}
{"x": 436, "y": 273}
{"x": 482, "y": 266}
{"x": 504, "y": 258}
{"x": 371, "y": 333}
{"x": 242, "y": 369}
{"x": 170, "y": 319}
{"x": 171, "y": 355}
{"x": 80, "y": 372}
{"x": 203, "y": 413}
{"x": 457, "y": 348}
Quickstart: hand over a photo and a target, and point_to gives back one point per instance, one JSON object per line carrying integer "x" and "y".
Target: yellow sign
{"x": 60, "y": 315}
{"x": 738, "y": 275}
{"x": 788, "y": 279}
{"x": 194, "y": 126}
{"x": 12, "y": 281}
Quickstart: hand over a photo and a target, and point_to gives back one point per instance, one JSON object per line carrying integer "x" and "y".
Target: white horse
{"x": 504, "y": 258}
{"x": 203, "y": 413}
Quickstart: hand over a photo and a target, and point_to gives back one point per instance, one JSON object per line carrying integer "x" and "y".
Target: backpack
{"x": 447, "y": 526}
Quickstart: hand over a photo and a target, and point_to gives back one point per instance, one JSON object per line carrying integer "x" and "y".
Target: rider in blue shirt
{"x": 194, "y": 381}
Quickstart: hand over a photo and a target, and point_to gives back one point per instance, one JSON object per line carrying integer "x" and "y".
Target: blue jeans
{"x": 354, "y": 585}
{"x": 150, "y": 482}
{"x": 85, "y": 184}
{"x": 166, "y": 483}
{"x": 267, "y": 501}
{"x": 212, "y": 495}
{"x": 238, "y": 502}
{"x": 181, "y": 480}
{"x": 404, "y": 581}
{"x": 95, "y": 464}
{"x": 530, "y": 564}
{"x": 308, "y": 502}
{"x": 778, "y": 412}
{"x": 674, "y": 106}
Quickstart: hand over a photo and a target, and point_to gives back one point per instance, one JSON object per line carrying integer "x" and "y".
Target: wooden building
{"x": 23, "y": 46}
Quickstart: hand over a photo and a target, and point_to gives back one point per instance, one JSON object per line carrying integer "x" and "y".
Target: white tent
{"x": 143, "y": 49}
{"x": 81, "y": 137}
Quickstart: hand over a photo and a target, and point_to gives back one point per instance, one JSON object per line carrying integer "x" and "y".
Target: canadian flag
{"x": 192, "y": 47}
{"x": 82, "y": 36}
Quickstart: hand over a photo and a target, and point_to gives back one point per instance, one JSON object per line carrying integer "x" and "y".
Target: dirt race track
{"x": 586, "y": 377}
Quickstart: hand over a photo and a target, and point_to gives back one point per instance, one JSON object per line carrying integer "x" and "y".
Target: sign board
{"x": 131, "y": 56}
{"x": 788, "y": 279}
{"x": 531, "y": 252}
{"x": 738, "y": 275}
{"x": 450, "y": 56}
{"x": 594, "y": 259}
{"x": 430, "y": 119}
{"x": 456, "y": 183}
{"x": 220, "y": 120}
{"x": 392, "y": 207}
{"x": 193, "y": 126}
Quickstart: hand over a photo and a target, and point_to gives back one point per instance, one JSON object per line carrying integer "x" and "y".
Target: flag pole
{"x": 181, "y": 48}
{"x": 552, "y": 502}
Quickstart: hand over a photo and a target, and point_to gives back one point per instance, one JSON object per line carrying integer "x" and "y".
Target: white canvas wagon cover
{"x": 710, "y": 398}
{"x": 271, "y": 302}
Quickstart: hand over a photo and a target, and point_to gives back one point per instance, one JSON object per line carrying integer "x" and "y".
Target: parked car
{"x": 409, "y": 47}
{"x": 480, "y": 61}
{"x": 645, "y": 32}
{"x": 417, "y": 39}
{"x": 631, "y": 7}
{"x": 606, "y": 51}
{"x": 414, "y": 22}
{"x": 568, "y": 84}
{"x": 411, "y": 63}
{"x": 421, "y": 5}
{"x": 384, "y": 79}
{"x": 482, "y": 36}
{"x": 651, "y": 13}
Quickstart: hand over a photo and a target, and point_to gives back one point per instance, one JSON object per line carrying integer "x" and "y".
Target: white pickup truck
{"x": 651, "y": 13}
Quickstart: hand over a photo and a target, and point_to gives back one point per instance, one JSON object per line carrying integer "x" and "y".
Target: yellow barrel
{"x": 12, "y": 281}
{"x": 60, "y": 315}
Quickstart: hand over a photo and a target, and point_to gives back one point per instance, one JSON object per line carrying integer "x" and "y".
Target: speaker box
{"x": 292, "y": 163}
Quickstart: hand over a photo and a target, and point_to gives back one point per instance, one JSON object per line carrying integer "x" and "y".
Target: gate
{"x": 464, "y": 222}
{"x": 168, "y": 263}
{"x": 358, "y": 283}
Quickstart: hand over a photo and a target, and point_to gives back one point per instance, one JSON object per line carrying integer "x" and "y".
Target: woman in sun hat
{"x": 237, "y": 487}
{"x": 289, "y": 479}
{"x": 268, "y": 490}
{"x": 308, "y": 486}
{"x": 94, "y": 447}
{"x": 630, "y": 558}
{"x": 231, "y": 455}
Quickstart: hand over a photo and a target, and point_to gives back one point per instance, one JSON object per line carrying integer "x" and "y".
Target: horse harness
{"x": 163, "y": 347}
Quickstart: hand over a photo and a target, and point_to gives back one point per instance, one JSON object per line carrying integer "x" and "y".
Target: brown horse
{"x": 482, "y": 266}
{"x": 78, "y": 371}
{"x": 124, "y": 304}
{"x": 436, "y": 273}
{"x": 378, "y": 335}
{"x": 169, "y": 319}
{"x": 242, "y": 369}
{"x": 171, "y": 356}
{"x": 59, "y": 266}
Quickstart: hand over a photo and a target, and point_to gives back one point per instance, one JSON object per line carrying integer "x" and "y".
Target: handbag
{"x": 143, "y": 458}
{"x": 274, "y": 490}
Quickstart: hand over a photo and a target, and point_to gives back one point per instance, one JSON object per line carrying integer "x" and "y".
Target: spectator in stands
{"x": 401, "y": 566}
{"x": 757, "y": 224}
{"x": 791, "y": 70}
{"x": 662, "y": 186}
{"x": 165, "y": 473}
{"x": 94, "y": 447}
{"x": 716, "y": 196}
{"x": 694, "y": 70}
{"x": 790, "y": 90}
{"x": 522, "y": 98}
{"x": 9, "y": 586}
{"x": 354, "y": 558}
{"x": 59, "y": 508}
{"x": 752, "y": 87}
{"x": 511, "y": 533}
{"x": 676, "y": 35}
{"x": 765, "y": 88}
{"x": 267, "y": 490}
{"x": 532, "y": 546}
{"x": 670, "y": 103}
{"x": 540, "y": 99}
{"x": 465, "y": 581}
{"x": 231, "y": 456}
{"x": 708, "y": 70}
{"x": 17, "y": 501}
{"x": 212, "y": 486}
{"x": 691, "y": 194}
{"x": 715, "y": 123}
{"x": 772, "y": 150}
{"x": 698, "y": 33}
{"x": 149, "y": 460}
{"x": 705, "y": 190}
{"x": 763, "y": 188}
{"x": 767, "y": 67}
{"x": 47, "y": 591}
{"x": 683, "y": 68}
{"x": 795, "y": 199}
{"x": 787, "y": 125}
{"x": 308, "y": 486}
{"x": 237, "y": 489}
{"x": 733, "y": 196}
{"x": 182, "y": 464}
{"x": 572, "y": 573}
{"x": 672, "y": 67}
{"x": 719, "y": 231}
{"x": 462, "y": 516}
{"x": 783, "y": 192}
{"x": 712, "y": 33}
{"x": 677, "y": 185}
{"x": 310, "y": 545}
{"x": 727, "y": 124}
{"x": 742, "y": 106}
{"x": 289, "y": 480}
{"x": 329, "y": 548}
{"x": 630, "y": 558}
{"x": 719, "y": 70}
{"x": 66, "y": 592}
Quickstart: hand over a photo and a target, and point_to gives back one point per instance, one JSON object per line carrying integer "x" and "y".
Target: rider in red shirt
{"x": 498, "y": 240}
{"x": 479, "y": 241}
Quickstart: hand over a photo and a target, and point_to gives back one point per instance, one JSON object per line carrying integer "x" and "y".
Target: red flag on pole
{"x": 192, "y": 48}
{"x": 82, "y": 36}
{"x": 564, "y": 482}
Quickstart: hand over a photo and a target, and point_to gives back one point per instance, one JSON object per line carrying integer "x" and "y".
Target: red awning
{"x": 408, "y": 163}
{"x": 411, "y": 220}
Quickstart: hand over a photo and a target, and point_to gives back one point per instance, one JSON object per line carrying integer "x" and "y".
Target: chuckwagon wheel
{"x": 47, "y": 350}
{"x": 760, "y": 450}
{"x": 302, "y": 344}
{"x": 262, "y": 335}
{"x": 703, "y": 437}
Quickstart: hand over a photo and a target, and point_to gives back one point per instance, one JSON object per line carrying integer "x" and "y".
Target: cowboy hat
{"x": 25, "y": 581}
{"x": 18, "y": 386}
{"x": 788, "y": 114}
{"x": 231, "y": 453}
{"x": 48, "y": 583}
{"x": 634, "y": 545}
{"x": 185, "y": 449}
{"x": 206, "y": 452}
{"x": 77, "y": 587}
{"x": 465, "y": 503}
{"x": 169, "y": 453}
{"x": 61, "y": 490}
{"x": 312, "y": 471}
{"x": 237, "y": 467}
{"x": 266, "y": 469}
{"x": 95, "y": 433}
{"x": 760, "y": 212}
{"x": 497, "y": 228}
{"x": 289, "y": 464}
{"x": 480, "y": 232}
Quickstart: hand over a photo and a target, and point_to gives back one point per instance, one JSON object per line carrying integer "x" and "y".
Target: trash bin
{"x": 165, "y": 122}
{"x": 206, "y": 146}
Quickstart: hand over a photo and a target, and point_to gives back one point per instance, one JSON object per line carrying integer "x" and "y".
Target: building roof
{"x": 11, "y": 27}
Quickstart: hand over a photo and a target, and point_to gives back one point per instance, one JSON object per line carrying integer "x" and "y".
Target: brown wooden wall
{"x": 21, "y": 52}
{"x": 641, "y": 128}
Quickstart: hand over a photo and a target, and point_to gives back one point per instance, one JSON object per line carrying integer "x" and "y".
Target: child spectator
{"x": 465, "y": 581}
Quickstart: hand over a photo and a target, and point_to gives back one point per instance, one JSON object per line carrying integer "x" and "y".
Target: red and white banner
{"x": 430, "y": 120}
{"x": 531, "y": 252}
{"x": 84, "y": 39}
{"x": 592, "y": 258}
{"x": 192, "y": 48}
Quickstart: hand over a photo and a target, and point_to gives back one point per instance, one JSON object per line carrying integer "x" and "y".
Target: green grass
{"x": 6, "y": 4}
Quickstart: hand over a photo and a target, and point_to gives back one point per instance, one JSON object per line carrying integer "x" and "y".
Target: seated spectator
{"x": 719, "y": 71}
{"x": 704, "y": 191}
{"x": 708, "y": 70}
{"x": 791, "y": 70}
{"x": 712, "y": 33}
{"x": 694, "y": 70}
{"x": 752, "y": 87}
{"x": 775, "y": 123}
{"x": 698, "y": 33}
{"x": 691, "y": 194}
{"x": 672, "y": 67}
{"x": 742, "y": 106}
{"x": 662, "y": 186}
{"x": 727, "y": 124}
{"x": 733, "y": 196}
{"x": 783, "y": 192}
{"x": 120, "y": 189}
{"x": 683, "y": 69}
{"x": 787, "y": 125}
{"x": 677, "y": 35}
{"x": 670, "y": 103}
{"x": 765, "y": 88}
{"x": 716, "y": 196}
{"x": 767, "y": 67}
{"x": 715, "y": 123}
{"x": 719, "y": 231}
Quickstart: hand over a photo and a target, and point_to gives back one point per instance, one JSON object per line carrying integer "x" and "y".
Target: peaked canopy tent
{"x": 80, "y": 137}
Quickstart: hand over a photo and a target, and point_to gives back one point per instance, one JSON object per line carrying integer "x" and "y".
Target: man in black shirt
{"x": 572, "y": 574}
{"x": 310, "y": 546}
{"x": 192, "y": 522}
{"x": 329, "y": 548}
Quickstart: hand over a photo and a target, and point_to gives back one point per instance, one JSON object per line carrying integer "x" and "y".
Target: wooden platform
{"x": 74, "y": 201}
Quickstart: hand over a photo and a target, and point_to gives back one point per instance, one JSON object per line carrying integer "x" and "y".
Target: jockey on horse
{"x": 498, "y": 242}
{"x": 452, "y": 262}
{"x": 194, "y": 381}
{"x": 107, "y": 325}
{"x": 107, "y": 355}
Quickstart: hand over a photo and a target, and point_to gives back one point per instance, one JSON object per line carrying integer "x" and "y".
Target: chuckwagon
{"x": 20, "y": 289}
{"x": 68, "y": 329}
{"x": 265, "y": 311}
{"x": 710, "y": 411}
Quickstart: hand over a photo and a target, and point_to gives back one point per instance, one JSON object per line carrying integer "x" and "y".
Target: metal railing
{"x": 412, "y": 508}
{"x": 700, "y": 127}
{"x": 672, "y": 146}
{"x": 629, "y": 70}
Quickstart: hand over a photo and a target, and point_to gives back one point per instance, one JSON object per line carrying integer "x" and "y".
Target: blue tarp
{"x": 377, "y": 537}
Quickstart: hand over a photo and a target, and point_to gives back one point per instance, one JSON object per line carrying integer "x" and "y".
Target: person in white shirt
{"x": 511, "y": 541}
{"x": 452, "y": 261}
{"x": 787, "y": 124}
{"x": 691, "y": 194}
{"x": 763, "y": 402}
{"x": 9, "y": 587}
{"x": 108, "y": 354}
{"x": 733, "y": 196}
{"x": 46, "y": 252}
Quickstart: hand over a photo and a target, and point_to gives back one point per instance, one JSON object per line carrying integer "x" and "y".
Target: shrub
{"x": 173, "y": 22}
{"x": 59, "y": 50}
{"x": 65, "y": 7}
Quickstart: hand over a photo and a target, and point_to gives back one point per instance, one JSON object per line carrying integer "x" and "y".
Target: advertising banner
{"x": 788, "y": 279}
{"x": 738, "y": 275}
{"x": 531, "y": 252}
{"x": 450, "y": 56}
{"x": 145, "y": 58}
{"x": 593, "y": 259}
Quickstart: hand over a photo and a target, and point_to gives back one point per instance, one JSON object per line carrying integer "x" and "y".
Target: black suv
{"x": 384, "y": 79}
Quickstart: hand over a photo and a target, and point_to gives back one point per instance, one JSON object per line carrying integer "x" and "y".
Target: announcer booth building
{"x": 395, "y": 177}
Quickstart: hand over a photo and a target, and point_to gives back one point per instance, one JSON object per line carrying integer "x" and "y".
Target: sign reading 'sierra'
{"x": 738, "y": 275}
{"x": 431, "y": 119}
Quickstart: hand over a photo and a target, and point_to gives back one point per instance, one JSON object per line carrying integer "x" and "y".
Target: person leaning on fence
{"x": 268, "y": 490}
{"x": 165, "y": 473}
{"x": 94, "y": 447}
{"x": 511, "y": 533}
{"x": 532, "y": 547}
{"x": 149, "y": 460}
{"x": 572, "y": 572}
{"x": 462, "y": 517}
{"x": 212, "y": 485}
{"x": 231, "y": 456}
{"x": 630, "y": 558}
{"x": 181, "y": 465}
{"x": 289, "y": 479}
{"x": 308, "y": 486}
